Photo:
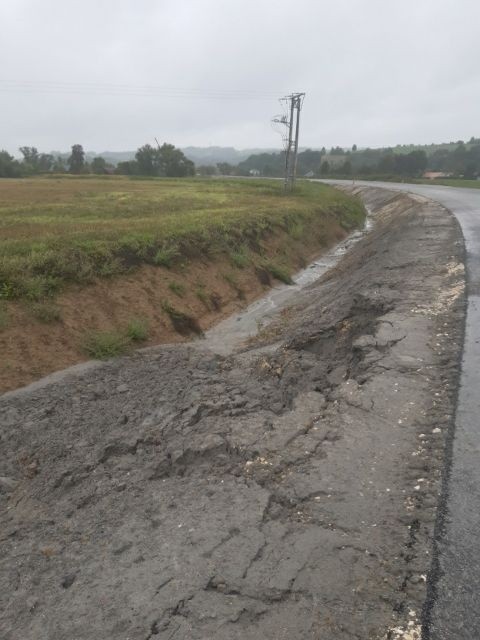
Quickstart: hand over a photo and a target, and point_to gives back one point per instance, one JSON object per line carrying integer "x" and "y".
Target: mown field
{"x": 61, "y": 230}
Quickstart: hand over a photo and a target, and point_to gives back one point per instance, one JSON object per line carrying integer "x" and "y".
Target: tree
{"x": 147, "y": 159}
{"x": 325, "y": 168}
{"x": 76, "y": 161}
{"x": 206, "y": 170}
{"x": 354, "y": 148}
{"x": 9, "y": 167}
{"x": 127, "y": 168}
{"x": 45, "y": 162}
{"x": 59, "y": 165}
{"x": 166, "y": 160}
{"x": 173, "y": 163}
{"x": 98, "y": 165}
{"x": 226, "y": 169}
{"x": 30, "y": 158}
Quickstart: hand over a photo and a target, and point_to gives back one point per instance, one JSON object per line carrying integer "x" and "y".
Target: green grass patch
{"x": 278, "y": 271}
{"x": 177, "y": 288}
{"x": 239, "y": 258}
{"x": 137, "y": 330}
{"x": 56, "y": 232}
{"x": 165, "y": 256}
{"x": 102, "y": 345}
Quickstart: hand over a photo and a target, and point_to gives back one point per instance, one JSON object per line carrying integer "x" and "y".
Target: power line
{"x": 92, "y": 88}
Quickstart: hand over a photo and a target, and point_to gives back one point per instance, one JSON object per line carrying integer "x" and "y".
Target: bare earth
{"x": 287, "y": 491}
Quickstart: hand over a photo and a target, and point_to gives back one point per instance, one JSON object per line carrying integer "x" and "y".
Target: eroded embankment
{"x": 43, "y": 337}
{"x": 287, "y": 491}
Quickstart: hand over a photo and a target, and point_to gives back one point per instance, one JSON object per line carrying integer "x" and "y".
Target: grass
{"x": 454, "y": 182}
{"x": 45, "y": 312}
{"x": 233, "y": 282}
{"x": 102, "y": 345}
{"x": 4, "y": 319}
{"x": 177, "y": 288}
{"x": 239, "y": 257}
{"x": 278, "y": 271}
{"x": 137, "y": 330}
{"x": 58, "y": 231}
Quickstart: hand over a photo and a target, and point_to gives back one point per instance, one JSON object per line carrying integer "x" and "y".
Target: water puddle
{"x": 224, "y": 337}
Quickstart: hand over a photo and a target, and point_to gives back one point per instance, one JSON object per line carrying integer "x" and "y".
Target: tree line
{"x": 165, "y": 160}
{"x": 459, "y": 159}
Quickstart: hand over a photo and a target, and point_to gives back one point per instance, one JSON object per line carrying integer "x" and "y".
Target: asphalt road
{"x": 454, "y": 610}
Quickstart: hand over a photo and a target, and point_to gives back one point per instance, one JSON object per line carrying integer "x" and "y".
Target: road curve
{"x": 453, "y": 612}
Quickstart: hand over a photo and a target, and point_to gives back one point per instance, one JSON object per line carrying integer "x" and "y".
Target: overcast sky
{"x": 112, "y": 74}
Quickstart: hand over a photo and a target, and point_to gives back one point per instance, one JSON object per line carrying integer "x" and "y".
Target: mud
{"x": 287, "y": 490}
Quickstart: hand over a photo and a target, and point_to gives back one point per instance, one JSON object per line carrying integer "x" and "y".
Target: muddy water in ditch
{"x": 229, "y": 334}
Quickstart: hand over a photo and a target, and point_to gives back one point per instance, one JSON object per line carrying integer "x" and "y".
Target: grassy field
{"x": 59, "y": 230}
{"x": 454, "y": 182}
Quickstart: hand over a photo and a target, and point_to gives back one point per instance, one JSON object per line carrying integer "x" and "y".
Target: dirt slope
{"x": 287, "y": 491}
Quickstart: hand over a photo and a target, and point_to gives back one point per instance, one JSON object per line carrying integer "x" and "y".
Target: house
{"x": 309, "y": 174}
{"x": 254, "y": 172}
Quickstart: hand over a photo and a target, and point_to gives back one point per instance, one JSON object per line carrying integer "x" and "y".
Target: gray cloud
{"x": 375, "y": 72}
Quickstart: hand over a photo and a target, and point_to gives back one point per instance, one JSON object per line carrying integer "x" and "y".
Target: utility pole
{"x": 292, "y": 123}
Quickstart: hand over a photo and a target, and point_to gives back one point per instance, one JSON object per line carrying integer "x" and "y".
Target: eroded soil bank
{"x": 286, "y": 491}
{"x": 205, "y": 288}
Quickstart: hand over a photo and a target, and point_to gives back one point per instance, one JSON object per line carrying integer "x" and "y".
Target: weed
{"x": 37, "y": 288}
{"x": 102, "y": 345}
{"x": 183, "y": 323}
{"x": 203, "y": 297}
{"x": 45, "y": 312}
{"x": 177, "y": 288}
{"x": 296, "y": 229}
{"x": 279, "y": 272}
{"x": 137, "y": 330}
{"x": 239, "y": 258}
{"x": 165, "y": 256}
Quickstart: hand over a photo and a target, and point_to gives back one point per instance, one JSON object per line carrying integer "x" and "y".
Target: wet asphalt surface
{"x": 454, "y": 611}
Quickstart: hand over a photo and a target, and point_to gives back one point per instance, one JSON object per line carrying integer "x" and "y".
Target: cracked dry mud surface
{"x": 287, "y": 491}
